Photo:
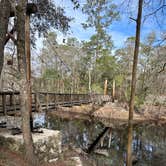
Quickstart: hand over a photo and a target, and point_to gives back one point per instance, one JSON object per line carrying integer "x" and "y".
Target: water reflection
{"x": 129, "y": 159}
{"x": 148, "y": 146}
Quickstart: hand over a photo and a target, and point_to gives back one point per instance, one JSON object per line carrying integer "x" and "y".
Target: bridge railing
{"x": 9, "y": 100}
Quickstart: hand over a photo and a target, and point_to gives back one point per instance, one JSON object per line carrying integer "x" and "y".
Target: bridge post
{"x": 11, "y": 99}
{"x": 70, "y": 98}
{"x": 113, "y": 91}
{"x": 46, "y": 101}
{"x": 35, "y": 99}
{"x": 54, "y": 100}
{"x": 105, "y": 87}
{"x": 4, "y": 103}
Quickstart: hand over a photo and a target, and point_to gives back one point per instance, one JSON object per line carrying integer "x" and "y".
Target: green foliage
{"x": 50, "y": 74}
{"x": 139, "y": 100}
{"x": 119, "y": 80}
{"x": 99, "y": 45}
{"x": 100, "y": 16}
{"x": 96, "y": 88}
{"x": 100, "y": 13}
{"x": 49, "y": 16}
{"x": 98, "y": 49}
{"x": 107, "y": 67}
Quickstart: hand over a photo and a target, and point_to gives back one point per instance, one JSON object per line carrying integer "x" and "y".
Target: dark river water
{"x": 108, "y": 146}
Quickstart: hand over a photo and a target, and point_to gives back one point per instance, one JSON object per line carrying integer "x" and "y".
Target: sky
{"x": 119, "y": 30}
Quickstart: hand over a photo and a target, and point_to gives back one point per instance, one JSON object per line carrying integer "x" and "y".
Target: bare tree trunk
{"x": 5, "y": 8}
{"x": 135, "y": 61}
{"x": 89, "y": 81}
{"x": 133, "y": 83}
{"x": 28, "y": 62}
{"x": 27, "y": 136}
{"x": 24, "y": 83}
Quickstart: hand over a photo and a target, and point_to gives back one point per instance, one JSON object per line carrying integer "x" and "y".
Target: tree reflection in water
{"x": 148, "y": 143}
{"x": 129, "y": 159}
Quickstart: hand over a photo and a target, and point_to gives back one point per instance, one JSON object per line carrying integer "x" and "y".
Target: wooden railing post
{"x": 11, "y": 99}
{"x": 47, "y": 101}
{"x": 4, "y": 103}
{"x": 105, "y": 87}
{"x": 70, "y": 98}
{"x": 35, "y": 99}
{"x": 54, "y": 100}
{"x": 113, "y": 91}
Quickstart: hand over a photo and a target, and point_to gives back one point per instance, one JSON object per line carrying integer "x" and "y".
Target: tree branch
{"x": 155, "y": 11}
{"x": 163, "y": 68}
{"x": 9, "y": 34}
{"x": 133, "y": 19}
{"x": 12, "y": 38}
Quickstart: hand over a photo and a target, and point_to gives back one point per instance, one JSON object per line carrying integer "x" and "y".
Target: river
{"x": 110, "y": 149}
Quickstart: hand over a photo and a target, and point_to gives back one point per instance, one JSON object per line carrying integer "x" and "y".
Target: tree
{"x": 5, "y": 8}
{"x": 135, "y": 60}
{"x": 146, "y": 53}
{"x": 48, "y": 16}
{"x": 106, "y": 68}
{"x": 61, "y": 61}
{"x": 124, "y": 58}
{"x": 151, "y": 81}
{"x": 133, "y": 83}
{"x": 24, "y": 83}
{"x": 100, "y": 16}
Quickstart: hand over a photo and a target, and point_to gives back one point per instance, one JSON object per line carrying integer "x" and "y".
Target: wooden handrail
{"x": 49, "y": 100}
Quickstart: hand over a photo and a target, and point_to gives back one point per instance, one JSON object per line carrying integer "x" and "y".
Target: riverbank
{"x": 113, "y": 113}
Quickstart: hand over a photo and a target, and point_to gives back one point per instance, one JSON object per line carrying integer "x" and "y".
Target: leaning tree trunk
{"x": 24, "y": 84}
{"x": 133, "y": 83}
{"x": 5, "y": 8}
{"x": 135, "y": 61}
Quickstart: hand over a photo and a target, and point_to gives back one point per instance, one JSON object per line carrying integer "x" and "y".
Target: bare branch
{"x": 133, "y": 19}
{"x": 155, "y": 11}
{"x": 163, "y": 68}
{"x": 9, "y": 34}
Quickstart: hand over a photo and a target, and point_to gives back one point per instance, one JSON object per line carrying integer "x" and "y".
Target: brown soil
{"x": 10, "y": 158}
{"x": 113, "y": 113}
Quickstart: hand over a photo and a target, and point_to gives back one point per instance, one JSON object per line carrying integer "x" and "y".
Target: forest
{"x": 101, "y": 63}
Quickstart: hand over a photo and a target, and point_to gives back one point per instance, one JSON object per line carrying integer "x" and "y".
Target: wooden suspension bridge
{"x": 46, "y": 101}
